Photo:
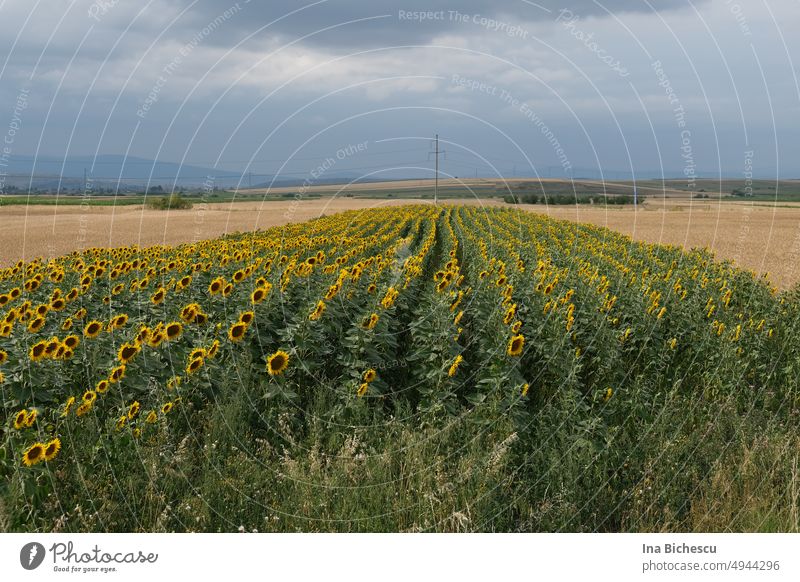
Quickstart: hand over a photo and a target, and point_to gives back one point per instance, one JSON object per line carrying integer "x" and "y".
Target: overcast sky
{"x": 679, "y": 87}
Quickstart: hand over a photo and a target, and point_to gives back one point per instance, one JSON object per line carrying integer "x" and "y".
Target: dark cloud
{"x": 391, "y": 22}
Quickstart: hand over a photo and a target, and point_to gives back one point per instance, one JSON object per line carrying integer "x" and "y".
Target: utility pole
{"x": 436, "y": 152}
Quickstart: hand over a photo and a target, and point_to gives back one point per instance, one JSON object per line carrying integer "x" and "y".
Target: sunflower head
{"x": 33, "y": 454}
{"x": 213, "y": 349}
{"x": 31, "y": 418}
{"x": 247, "y": 317}
{"x": 370, "y": 375}
{"x": 101, "y": 387}
{"x": 515, "y": 345}
{"x": 51, "y": 449}
{"x": 20, "y": 419}
{"x": 84, "y": 408}
{"x": 173, "y": 330}
{"x": 93, "y": 329}
{"x": 194, "y": 365}
{"x": 38, "y": 351}
{"x": 152, "y": 417}
{"x": 236, "y": 331}
{"x": 117, "y": 374}
{"x": 166, "y": 408}
{"x": 371, "y": 321}
{"x": 127, "y": 352}
{"x": 258, "y": 295}
{"x": 133, "y": 409}
{"x": 71, "y": 341}
{"x": 362, "y": 389}
{"x": 277, "y": 363}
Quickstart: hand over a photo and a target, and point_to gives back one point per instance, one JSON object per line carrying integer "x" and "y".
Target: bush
{"x": 172, "y": 202}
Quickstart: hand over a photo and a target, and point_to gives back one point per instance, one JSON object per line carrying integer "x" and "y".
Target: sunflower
{"x": 93, "y": 329}
{"x": 83, "y": 408}
{"x": 454, "y": 366}
{"x": 101, "y": 387}
{"x": 158, "y": 297}
{"x": 51, "y": 449}
{"x": 277, "y": 363}
{"x": 515, "y": 345}
{"x": 31, "y": 418}
{"x": 118, "y": 321}
{"x": 212, "y": 351}
{"x": 173, "y": 330}
{"x": 216, "y": 285}
{"x": 525, "y": 388}
{"x": 332, "y": 291}
{"x": 371, "y": 321}
{"x": 197, "y": 353}
{"x": 510, "y": 313}
{"x": 607, "y": 394}
{"x": 194, "y": 365}
{"x": 21, "y": 419}
{"x": 127, "y": 352}
{"x": 33, "y": 454}
{"x": 174, "y": 382}
{"x": 362, "y": 389}
{"x": 68, "y": 406}
{"x": 71, "y": 341}
{"x": 36, "y": 324}
{"x": 166, "y": 408}
{"x": 120, "y": 424}
{"x": 247, "y": 317}
{"x": 133, "y": 410}
{"x": 201, "y": 319}
{"x": 152, "y": 417}
{"x": 458, "y": 317}
{"x": 37, "y": 351}
{"x": 6, "y": 329}
{"x": 117, "y": 374}
{"x": 236, "y": 331}
{"x": 189, "y": 312}
{"x": 142, "y": 334}
{"x": 3, "y": 356}
{"x": 155, "y": 339}
{"x": 318, "y": 311}
{"x": 137, "y": 432}
{"x": 67, "y": 325}
{"x": 258, "y": 295}
{"x": 370, "y": 375}
{"x": 89, "y": 396}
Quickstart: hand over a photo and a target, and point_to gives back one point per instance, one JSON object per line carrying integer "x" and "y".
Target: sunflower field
{"x": 414, "y": 368}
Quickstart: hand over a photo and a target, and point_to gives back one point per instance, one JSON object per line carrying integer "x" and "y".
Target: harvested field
{"x": 759, "y": 236}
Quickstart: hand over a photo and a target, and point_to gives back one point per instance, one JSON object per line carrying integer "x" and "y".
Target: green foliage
{"x": 172, "y": 202}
